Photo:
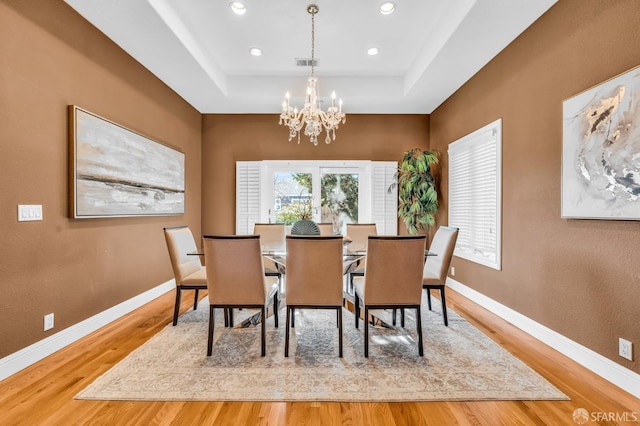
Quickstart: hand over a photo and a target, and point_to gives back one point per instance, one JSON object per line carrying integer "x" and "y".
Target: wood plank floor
{"x": 43, "y": 393}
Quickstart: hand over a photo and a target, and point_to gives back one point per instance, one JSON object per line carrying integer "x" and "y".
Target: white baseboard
{"x": 602, "y": 366}
{"x": 17, "y": 361}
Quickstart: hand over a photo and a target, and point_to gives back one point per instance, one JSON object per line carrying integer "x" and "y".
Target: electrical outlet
{"x": 48, "y": 322}
{"x": 453, "y": 271}
{"x": 625, "y": 349}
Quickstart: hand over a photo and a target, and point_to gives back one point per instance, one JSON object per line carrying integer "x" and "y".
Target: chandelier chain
{"x": 313, "y": 41}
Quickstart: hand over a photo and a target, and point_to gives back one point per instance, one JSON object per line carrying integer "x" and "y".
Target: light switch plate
{"x": 29, "y": 212}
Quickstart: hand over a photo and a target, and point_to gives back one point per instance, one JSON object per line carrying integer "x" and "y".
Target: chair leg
{"x": 429, "y": 297}
{"x": 356, "y": 309}
{"x": 444, "y": 306}
{"x": 293, "y": 317}
{"x": 275, "y": 310}
{"x": 340, "y": 332}
{"x": 366, "y": 332}
{"x": 263, "y": 332}
{"x": 230, "y": 317}
{"x": 195, "y": 300}
{"x": 393, "y": 316}
{"x": 402, "y": 317}
{"x": 286, "y": 333}
{"x": 176, "y": 309}
{"x": 419, "y": 329}
{"x": 226, "y": 316}
{"x": 210, "y": 337}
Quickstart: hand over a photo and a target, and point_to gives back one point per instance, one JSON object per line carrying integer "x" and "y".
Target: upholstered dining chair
{"x": 326, "y": 228}
{"x": 314, "y": 278}
{"x": 187, "y": 269}
{"x": 235, "y": 279}
{"x": 436, "y": 267}
{"x": 392, "y": 279}
{"x": 271, "y": 239}
{"x": 359, "y": 233}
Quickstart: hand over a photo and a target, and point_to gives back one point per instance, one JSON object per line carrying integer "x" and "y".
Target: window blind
{"x": 475, "y": 194}
{"x": 247, "y": 196}
{"x": 384, "y": 204}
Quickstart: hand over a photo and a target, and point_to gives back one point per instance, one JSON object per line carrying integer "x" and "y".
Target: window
{"x": 339, "y": 192}
{"x": 475, "y": 180}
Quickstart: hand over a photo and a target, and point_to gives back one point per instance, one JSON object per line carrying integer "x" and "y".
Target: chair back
{"x": 359, "y": 233}
{"x": 443, "y": 244}
{"x": 180, "y": 242}
{"x": 235, "y": 272}
{"x": 393, "y": 274}
{"x": 326, "y": 228}
{"x": 314, "y": 270}
{"x": 271, "y": 236}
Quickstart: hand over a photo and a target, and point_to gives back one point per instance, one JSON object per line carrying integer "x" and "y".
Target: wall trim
{"x": 22, "y": 359}
{"x": 602, "y": 366}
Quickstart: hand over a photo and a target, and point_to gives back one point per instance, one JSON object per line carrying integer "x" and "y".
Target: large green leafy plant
{"x": 417, "y": 190}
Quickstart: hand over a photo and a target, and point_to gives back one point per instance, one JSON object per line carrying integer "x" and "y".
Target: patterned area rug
{"x": 459, "y": 363}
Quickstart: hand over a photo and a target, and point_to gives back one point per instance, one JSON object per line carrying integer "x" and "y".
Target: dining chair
{"x": 187, "y": 269}
{"x": 435, "y": 270}
{"x": 314, "y": 278}
{"x": 271, "y": 239}
{"x": 359, "y": 233}
{"x": 392, "y": 279}
{"x": 235, "y": 278}
{"x": 326, "y": 228}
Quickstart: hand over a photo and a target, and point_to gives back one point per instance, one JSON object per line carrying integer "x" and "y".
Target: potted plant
{"x": 417, "y": 190}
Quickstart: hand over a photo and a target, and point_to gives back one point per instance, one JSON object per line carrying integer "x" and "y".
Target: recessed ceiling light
{"x": 387, "y": 7}
{"x": 255, "y": 51}
{"x": 373, "y": 51}
{"x": 238, "y": 7}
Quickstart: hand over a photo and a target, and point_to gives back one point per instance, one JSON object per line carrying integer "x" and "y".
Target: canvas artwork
{"x": 115, "y": 171}
{"x": 601, "y": 151}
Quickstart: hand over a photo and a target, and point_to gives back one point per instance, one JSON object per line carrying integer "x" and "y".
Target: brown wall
{"x": 50, "y": 58}
{"x": 580, "y": 278}
{"x": 230, "y": 138}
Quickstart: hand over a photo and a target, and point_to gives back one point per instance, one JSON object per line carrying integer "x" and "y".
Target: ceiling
{"x": 200, "y": 48}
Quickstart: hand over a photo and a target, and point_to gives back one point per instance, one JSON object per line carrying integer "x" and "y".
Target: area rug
{"x": 459, "y": 363}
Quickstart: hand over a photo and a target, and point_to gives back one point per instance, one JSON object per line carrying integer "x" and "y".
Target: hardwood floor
{"x": 43, "y": 393}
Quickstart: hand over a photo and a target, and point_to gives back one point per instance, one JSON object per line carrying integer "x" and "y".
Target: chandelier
{"x": 311, "y": 116}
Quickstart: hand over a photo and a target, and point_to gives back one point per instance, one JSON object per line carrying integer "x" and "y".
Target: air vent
{"x": 306, "y": 62}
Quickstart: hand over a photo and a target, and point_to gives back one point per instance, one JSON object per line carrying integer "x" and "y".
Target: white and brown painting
{"x": 601, "y": 151}
{"x": 121, "y": 173}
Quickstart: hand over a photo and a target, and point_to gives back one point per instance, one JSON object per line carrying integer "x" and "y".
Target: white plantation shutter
{"x": 247, "y": 196}
{"x": 384, "y": 204}
{"x": 475, "y": 180}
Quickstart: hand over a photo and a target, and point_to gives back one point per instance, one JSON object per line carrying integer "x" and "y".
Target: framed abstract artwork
{"x": 601, "y": 150}
{"x": 115, "y": 172}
